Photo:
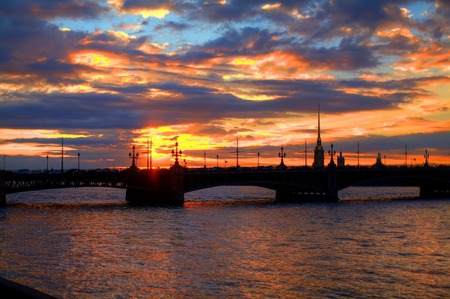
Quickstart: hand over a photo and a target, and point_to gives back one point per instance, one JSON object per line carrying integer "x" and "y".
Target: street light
{"x": 176, "y": 153}
{"x": 258, "y": 160}
{"x": 133, "y": 156}
{"x": 281, "y": 155}
{"x": 332, "y": 152}
{"x": 204, "y": 159}
{"x": 426, "y": 156}
{"x": 78, "y": 162}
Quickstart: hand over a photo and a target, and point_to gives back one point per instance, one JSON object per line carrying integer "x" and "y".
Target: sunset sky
{"x": 105, "y": 75}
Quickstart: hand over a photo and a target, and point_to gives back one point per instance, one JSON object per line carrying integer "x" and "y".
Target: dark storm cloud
{"x": 349, "y": 55}
{"x": 56, "y": 111}
{"x": 414, "y": 142}
{"x": 296, "y": 96}
{"x": 125, "y": 90}
{"x": 106, "y": 138}
{"x": 245, "y": 41}
{"x": 248, "y": 40}
{"x": 118, "y": 111}
{"x": 172, "y": 26}
{"x": 326, "y": 19}
{"x": 208, "y": 104}
{"x": 25, "y": 42}
{"x": 52, "y": 8}
{"x": 55, "y": 72}
{"x": 439, "y": 26}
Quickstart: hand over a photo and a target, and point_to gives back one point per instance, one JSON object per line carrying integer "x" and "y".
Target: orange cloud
{"x": 156, "y": 12}
{"x": 432, "y": 59}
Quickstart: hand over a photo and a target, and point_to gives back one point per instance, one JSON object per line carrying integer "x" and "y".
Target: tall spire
{"x": 319, "y": 155}
{"x": 319, "y": 140}
{"x": 318, "y": 120}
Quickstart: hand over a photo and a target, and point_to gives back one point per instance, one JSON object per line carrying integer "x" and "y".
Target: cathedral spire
{"x": 319, "y": 155}
{"x": 319, "y": 140}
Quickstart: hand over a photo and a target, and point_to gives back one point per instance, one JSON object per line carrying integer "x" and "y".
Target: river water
{"x": 227, "y": 243}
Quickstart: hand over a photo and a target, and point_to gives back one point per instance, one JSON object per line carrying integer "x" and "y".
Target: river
{"x": 227, "y": 242}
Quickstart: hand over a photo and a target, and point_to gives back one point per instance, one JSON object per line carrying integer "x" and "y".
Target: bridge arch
{"x": 433, "y": 182}
{"x": 288, "y": 185}
{"x": 230, "y": 193}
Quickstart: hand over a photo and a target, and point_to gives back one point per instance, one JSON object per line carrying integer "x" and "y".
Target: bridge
{"x": 168, "y": 186}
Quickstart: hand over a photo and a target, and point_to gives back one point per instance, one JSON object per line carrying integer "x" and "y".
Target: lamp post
{"x": 332, "y": 152}
{"x": 47, "y": 163}
{"x": 78, "y": 162}
{"x": 237, "y": 153}
{"x": 204, "y": 159}
{"x": 426, "y": 156}
{"x": 176, "y": 153}
{"x": 217, "y": 161}
{"x": 133, "y": 156}
{"x": 149, "y": 153}
{"x": 258, "y": 159}
{"x": 62, "y": 155}
{"x": 282, "y": 155}
{"x": 306, "y": 155}
{"x": 358, "y": 154}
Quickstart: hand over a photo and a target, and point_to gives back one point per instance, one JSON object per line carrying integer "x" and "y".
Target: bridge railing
{"x": 38, "y": 181}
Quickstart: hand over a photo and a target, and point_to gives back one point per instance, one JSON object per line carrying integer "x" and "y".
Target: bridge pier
{"x": 328, "y": 191}
{"x": 430, "y": 191}
{"x": 161, "y": 188}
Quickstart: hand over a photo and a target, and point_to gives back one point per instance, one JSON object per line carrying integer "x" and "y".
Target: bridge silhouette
{"x": 297, "y": 184}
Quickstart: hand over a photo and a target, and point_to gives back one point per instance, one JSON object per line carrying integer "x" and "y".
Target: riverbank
{"x": 10, "y": 289}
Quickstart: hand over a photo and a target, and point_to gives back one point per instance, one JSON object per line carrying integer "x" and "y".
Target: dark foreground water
{"x": 227, "y": 243}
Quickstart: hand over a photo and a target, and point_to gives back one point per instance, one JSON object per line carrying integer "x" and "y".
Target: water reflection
{"x": 367, "y": 249}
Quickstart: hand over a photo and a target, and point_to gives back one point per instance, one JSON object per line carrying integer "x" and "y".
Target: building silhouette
{"x": 341, "y": 160}
{"x": 379, "y": 164}
{"x": 319, "y": 155}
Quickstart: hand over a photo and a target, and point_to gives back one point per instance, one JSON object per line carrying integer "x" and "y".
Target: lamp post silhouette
{"x": 133, "y": 156}
{"x": 331, "y": 152}
{"x": 258, "y": 160}
{"x": 47, "y": 163}
{"x": 204, "y": 159}
{"x": 282, "y": 155}
{"x": 176, "y": 153}
{"x": 217, "y": 161}
{"x": 306, "y": 154}
{"x": 237, "y": 153}
{"x": 78, "y": 162}
{"x": 426, "y": 156}
{"x": 358, "y": 154}
{"x": 62, "y": 155}
{"x": 149, "y": 153}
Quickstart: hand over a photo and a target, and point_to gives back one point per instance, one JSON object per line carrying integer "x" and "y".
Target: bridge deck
{"x": 434, "y": 182}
